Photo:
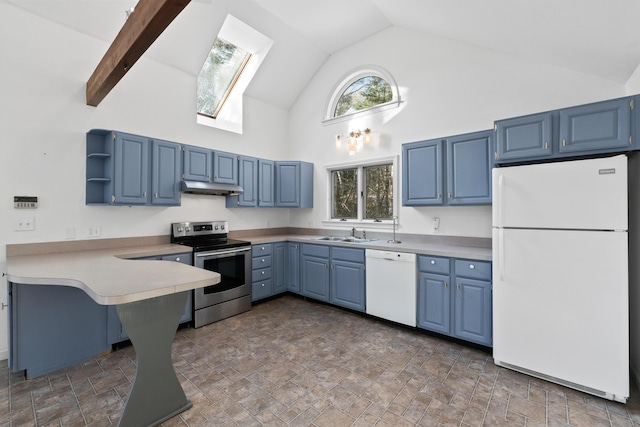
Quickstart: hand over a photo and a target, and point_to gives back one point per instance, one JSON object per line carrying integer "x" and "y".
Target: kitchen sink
{"x": 357, "y": 240}
{"x": 344, "y": 239}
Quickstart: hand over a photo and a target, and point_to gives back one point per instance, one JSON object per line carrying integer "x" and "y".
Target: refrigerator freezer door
{"x": 560, "y": 307}
{"x": 581, "y": 195}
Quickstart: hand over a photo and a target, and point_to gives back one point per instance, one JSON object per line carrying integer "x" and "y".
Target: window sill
{"x": 361, "y": 223}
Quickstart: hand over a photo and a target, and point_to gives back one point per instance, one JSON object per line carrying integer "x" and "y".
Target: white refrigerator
{"x": 560, "y": 273}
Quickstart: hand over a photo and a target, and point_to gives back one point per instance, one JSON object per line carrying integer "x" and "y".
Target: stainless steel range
{"x": 214, "y": 251}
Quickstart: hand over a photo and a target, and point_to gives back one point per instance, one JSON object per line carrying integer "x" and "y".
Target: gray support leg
{"x": 156, "y": 394}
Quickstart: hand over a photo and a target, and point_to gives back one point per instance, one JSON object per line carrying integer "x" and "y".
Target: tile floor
{"x": 291, "y": 362}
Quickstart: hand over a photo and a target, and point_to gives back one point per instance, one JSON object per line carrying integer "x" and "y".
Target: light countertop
{"x": 110, "y": 276}
{"x": 454, "y": 248}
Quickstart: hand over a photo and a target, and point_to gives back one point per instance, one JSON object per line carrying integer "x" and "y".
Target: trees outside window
{"x": 362, "y": 192}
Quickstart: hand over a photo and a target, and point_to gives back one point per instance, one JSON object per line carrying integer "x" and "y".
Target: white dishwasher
{"x": 391, "y": 285}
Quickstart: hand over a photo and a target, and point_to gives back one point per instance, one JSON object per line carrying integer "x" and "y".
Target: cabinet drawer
{"x": 315, "y": 250}
{"x": 473, "y": 269}
{"x": 260, "y": 262}
{"x": 347, "y": 254}
{"x": 261, "y": 274}
{"x": 261, "y": 289}
{"x": 260, "y": 250}
{"x": 185, "y": 258}
{"x": 433, "y": 264}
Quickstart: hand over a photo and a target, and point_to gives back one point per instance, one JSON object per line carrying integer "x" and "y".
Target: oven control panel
{"x": 209, "y": 228}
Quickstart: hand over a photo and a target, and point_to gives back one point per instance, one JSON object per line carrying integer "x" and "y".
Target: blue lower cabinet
{"x": 293, "y": 267}
{"x": 334, "y": 274}
{"x": 454, "y": 298}
{"x": 473, "y": 310}
{"x": 315, "y": 276}
{"x": 269, "y": 270}
{"x": 434, "y": 303}
{"x": 261, "y": 289}
{"x": 278, "y": 268}
{"x": 53, "y": 327}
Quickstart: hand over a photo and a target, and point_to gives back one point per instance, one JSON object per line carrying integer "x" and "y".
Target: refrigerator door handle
{"x": 501, "y": 251}
{"x": 501, "y": 200}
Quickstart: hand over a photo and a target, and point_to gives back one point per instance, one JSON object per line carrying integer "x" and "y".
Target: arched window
{"x": 365, "y": 89}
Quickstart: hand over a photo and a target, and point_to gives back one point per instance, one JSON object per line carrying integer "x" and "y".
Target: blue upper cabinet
{"x": 248, "y": 180}
{"x": 469, "y": 163}
{"x": 598, "y": 128}
{"x": 266, "y": 183}
{"x": 124, "y": 169}
{"x": 166, "y": 167}
{"x": 422, "y": 182}
{"x": 131, "y": 173}
{"x": 525, "y": 137}
{"x": 465, "y": 161}
{"x": 604, "y": 125}
{"x": 197, "y": 164}
{"x": 225, "y": 168}
{"x": 294, "y": 184}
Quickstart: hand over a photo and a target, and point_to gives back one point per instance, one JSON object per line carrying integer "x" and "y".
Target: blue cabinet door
{"x": 434, "y": 301}
{"x": 294, "y": 184}
{"x": 266, "y": 183}
{"x": 225, "y": 168}
{"x": 422, "y": 179}
{"x": 166, "y": 167}
{"x": 248, "y": 180}
{"x": 131, "y": 175}
{"x": 600, "y": 126}
{"x": 287, "y": 184}
{"x": 278, "y": 267}
{"x": 293, "y": 267}
{"x": 473, "y": 310}
{"x": 315, "y": 271}
{"x": 197, "y": 164}
{"x": 348, "y": 284}
{"x": 524, "y": 138}
{"x": 469, "y": 163}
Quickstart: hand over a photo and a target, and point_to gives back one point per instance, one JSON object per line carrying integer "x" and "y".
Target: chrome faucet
{"x": 353, "y": 232}
{"x": 395, "y": 219}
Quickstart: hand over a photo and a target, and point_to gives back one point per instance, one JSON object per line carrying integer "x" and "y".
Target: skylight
{"x": 218, "y": 76}
{"x": 229, "y": 66}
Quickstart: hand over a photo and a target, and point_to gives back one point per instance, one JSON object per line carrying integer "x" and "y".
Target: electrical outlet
{"x": 94, "y": 231}
{"x": 436, "y": 225}
{"x": 25, "y": 224}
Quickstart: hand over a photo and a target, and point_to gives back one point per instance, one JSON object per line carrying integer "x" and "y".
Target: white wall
{"x": 44, "y": 120}
{"x": 448, "y": 88}
{"x": 633, "y": 84}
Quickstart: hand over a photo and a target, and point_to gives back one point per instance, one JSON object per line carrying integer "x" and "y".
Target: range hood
{"x": 211, "y": 188}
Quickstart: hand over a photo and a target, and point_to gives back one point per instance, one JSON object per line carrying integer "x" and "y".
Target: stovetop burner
{"x": 204, "y": 236}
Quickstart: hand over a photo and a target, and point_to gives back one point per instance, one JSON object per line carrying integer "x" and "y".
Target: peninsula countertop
{"x": 110, "y": 276}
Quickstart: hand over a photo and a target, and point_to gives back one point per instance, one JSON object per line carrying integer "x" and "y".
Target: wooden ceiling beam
{"x": 149, "y": 19}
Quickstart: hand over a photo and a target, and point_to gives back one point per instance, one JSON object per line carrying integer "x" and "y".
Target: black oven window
{"x": 230, "y": 268}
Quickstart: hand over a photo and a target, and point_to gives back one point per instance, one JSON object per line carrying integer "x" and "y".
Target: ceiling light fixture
{"x": 357, "y": 139}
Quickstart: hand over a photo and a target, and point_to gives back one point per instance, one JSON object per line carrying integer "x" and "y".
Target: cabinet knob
{"x": 156, "y": 195}
{"x": 471, "y": 266}
{"x": 262, "y": 285}
{"x": 262, "y": 259}
{"x": 178, "y": 259}
{"x": 433, "y": 261}
{"x": 262, "y": 272}
{"x": 262, "y": 248}
{"x": 446, "y": 285}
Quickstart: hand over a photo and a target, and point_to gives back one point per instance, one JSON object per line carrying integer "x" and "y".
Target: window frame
{"x": 348, "y": 80}
{"x": 360, "y": 165}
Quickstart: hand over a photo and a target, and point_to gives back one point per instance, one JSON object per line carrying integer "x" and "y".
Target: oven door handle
{"x": 216, "y": 253}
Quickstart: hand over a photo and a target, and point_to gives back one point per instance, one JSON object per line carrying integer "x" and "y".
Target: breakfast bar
{"x": 150, "y": 297}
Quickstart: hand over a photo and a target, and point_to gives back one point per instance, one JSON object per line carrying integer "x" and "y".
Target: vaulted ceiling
{"x": 596, "y": 37}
